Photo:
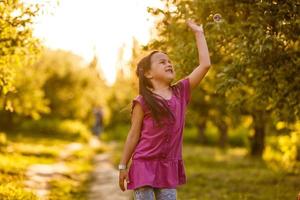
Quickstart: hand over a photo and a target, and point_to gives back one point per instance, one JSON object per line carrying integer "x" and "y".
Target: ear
{"x": 148, "y": 75}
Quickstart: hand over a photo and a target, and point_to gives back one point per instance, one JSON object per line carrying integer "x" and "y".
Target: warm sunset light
{"x": 102, "y": 26}
{"x": 90, "y": 110}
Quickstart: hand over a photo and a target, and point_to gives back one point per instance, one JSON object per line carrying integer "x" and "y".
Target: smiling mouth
{"x": 170, "y": 70}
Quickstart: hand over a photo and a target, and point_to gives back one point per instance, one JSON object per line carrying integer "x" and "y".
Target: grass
{"x": 75, "y": 184}
{"x": 215, "y": 174}
{"x": 211, "y": 173}
{"x": 224, "y": 175}
{"x": 25, "y": 149}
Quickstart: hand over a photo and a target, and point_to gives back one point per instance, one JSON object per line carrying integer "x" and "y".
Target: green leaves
{"x": 17, "y": 45}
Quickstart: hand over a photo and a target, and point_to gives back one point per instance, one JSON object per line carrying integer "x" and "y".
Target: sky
{"x": 101, "y": 27}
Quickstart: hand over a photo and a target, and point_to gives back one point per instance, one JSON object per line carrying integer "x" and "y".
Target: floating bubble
{"x": 217, "y": 17}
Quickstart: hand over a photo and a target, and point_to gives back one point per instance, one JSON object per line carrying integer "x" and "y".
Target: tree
{"x": 72, "y": 87}
{"x": 262, "y": 40}
{"x": 17, "y": 44}
{"x": 255, "y": 56}
{"x": 174, "y": 38}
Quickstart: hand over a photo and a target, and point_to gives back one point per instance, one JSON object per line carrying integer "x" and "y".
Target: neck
{"x": 160, "y": 86}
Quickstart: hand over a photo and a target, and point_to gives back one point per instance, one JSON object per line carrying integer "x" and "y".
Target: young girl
{"x": 157, "y": 123}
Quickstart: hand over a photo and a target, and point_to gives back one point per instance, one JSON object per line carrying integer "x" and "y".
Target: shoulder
{"x": 183, "y": 88}
{"x": 182, "y": 84}
{"x": 183, "y": 81}
{"x": 139, "y": 99}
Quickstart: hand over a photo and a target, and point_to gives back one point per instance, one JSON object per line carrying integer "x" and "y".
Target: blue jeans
{"x": 148, "y": 193}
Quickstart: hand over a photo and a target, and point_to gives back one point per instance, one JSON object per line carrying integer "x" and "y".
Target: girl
{"x": 157, "y": 122}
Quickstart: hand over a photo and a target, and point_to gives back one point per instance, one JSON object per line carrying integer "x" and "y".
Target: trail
{"x": 39, "y": 175}
{"x": 105, "y": 182}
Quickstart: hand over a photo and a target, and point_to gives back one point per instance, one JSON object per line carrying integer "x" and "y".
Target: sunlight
{"x": 103, "y": 27}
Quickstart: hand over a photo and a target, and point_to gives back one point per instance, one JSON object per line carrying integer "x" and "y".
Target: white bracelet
{"x": 122, "y": 166}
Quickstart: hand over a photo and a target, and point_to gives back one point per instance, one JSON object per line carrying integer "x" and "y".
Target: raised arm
{"x": 200, "y": 71}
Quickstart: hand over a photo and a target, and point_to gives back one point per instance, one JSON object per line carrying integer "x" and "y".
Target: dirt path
{"x": 39, "y": 175}
{"x": 105, "y": 185}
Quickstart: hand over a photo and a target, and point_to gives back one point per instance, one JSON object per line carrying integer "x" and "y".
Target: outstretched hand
{"x": 194, "y": 26}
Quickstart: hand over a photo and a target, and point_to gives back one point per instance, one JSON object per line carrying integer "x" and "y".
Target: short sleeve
{"x": 139, "y": 100}
{"x": 185, "y": 89}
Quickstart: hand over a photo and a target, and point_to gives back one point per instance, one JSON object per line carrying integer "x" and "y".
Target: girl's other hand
{"x": 123, "y": 175}
{"x": 194, "y": 26}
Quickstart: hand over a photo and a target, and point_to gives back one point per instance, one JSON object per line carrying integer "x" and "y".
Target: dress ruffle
{"x": 158, "y": 173}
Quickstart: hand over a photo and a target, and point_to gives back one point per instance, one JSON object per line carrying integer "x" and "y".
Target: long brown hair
{"x": 157, "y": 106}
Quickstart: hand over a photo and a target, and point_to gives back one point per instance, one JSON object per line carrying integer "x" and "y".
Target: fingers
{"x": 127, "y": 180}
{"x": 121, "y": 185}
{"x": 121, "y": 181}
{"x": 189, "y": 21}
{"x": 194, "y": 26}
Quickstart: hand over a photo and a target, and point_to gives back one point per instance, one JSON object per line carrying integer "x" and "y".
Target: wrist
{"x": 122, "y": 166}
{"x": 199, "y": 32}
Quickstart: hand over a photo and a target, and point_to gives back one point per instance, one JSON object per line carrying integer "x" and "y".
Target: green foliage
{"x": 120, "y": 105}
{"x": 3, "y": 140}
{"x": 65, "y": 129}
{"x": 13, "y": 191}
{"x": 74, "y": 128}
{"x": 17, "y": 44}
{"x": 29, "y": 100}
{"x": 118, "y": 132}
{"x": 20, "y": 85}
{"x": 179, "y": 42}
{"x": 255, "y": 60}
{"x": 261, "y": 56}
{"x": 120, "y": 100}
{"x": 125, "y": 87}
{"x": 284, "y": 151}
{"x": 238, "y": 137}
{"x": 72, "y": 88}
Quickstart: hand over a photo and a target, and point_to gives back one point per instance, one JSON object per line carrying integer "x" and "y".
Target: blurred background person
{"x": 98, "y": 124}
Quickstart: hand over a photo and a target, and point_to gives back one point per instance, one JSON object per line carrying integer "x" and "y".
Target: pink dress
{"x": 157, "y": 158}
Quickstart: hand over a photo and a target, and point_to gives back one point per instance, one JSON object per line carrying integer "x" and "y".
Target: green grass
{"x": 215, "y": 174}
{"x": 223, "y": 174}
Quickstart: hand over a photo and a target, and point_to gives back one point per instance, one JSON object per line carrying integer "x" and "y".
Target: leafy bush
{"x": 238, "y": 137}
{"x": 75, "y": 128}
{"x": 65, "y": 129}
{"x": 14, "y": 192}
{"x": 284, "y": 151}
{"x": 3, "y": 140}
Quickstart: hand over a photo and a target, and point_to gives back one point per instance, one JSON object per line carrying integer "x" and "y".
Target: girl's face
{"x": 161, "y": 68}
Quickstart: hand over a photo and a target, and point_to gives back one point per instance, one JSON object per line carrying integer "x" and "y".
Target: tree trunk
{"x": 258, "y": 140}
{"x": 201, "y": 132}
{"x": 6, "y": 121}
{"x": 223, "y": 130}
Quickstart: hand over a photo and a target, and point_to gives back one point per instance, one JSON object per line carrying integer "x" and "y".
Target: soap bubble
{"x": 217, "y": 17}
